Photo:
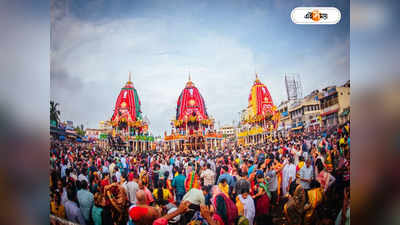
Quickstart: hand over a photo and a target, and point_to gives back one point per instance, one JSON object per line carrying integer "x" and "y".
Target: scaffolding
{"x": 294, "y": 88}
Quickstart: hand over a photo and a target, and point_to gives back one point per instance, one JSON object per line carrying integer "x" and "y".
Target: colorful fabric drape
{"x": 190, "y": 102}
{"x": 128, "y": 99}
{"x": 315, "y": 197}
{"x": 192, "y": 181}
{"x": 260, "y": 101}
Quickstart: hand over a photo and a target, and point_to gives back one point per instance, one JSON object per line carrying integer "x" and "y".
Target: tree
{"x": 54, "y": 112}
{"x": 80, "y": 130}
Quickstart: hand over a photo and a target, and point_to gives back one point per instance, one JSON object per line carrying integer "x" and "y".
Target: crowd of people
{"x": 303, "y": 178}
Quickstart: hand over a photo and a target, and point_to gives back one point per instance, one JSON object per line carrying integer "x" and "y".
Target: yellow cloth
{"x": 315, "y": 197}
{"x": 58, "y": 211}
{"x": 224, "y": 188}
{"x": 166, "y": 194}
{"x": 300, "y": 165}
{"x": 239, "y": 206}
{"x": 328, "y": 162}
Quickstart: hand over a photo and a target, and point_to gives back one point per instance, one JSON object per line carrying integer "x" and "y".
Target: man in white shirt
{"x": 306, "y": 173}
{"x": 163, "y": 168}
{"x": 83, "y": 176}
{"x": 296, "y": 154}
{"x": 117, "y": 174}
{"x": 169, "y": 169}
{"x": 111, "y": 168}
{"x": 289, "y": 175}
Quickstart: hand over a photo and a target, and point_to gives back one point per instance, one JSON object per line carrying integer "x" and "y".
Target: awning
{"x": 329, "y": 112}
{"x": 297, "y": 128}
{"x": 56, "y": 130}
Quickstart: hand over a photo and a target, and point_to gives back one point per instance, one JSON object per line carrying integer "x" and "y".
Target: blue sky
{"x": 96, "y": 43}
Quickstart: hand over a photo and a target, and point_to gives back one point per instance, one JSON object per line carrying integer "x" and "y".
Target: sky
{"x": 94, "y": 45}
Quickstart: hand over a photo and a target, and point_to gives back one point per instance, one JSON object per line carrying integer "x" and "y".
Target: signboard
{"x": 70, "y": 125}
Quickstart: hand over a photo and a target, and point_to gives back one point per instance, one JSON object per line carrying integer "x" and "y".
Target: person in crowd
{"x": 315, "y": 198}
{"x": 149, "y": 196}
{"x": 142, "y": 213}
{"x": 56, "y": 208}
{"x": 294, "y": 208}
{"x": 323, "y": 176}
{"x": 245, "y": 205}
{"x": 162, "y": 195}
{"x": 116, "y": 194}
{"x": 208, "y": 175}
{"x": 262, "y": 198}
{"x": 132, "y": 187}
{"x": 272, "y": 180}
{"x": 343, "y": 218}
{"x": 288, "y": 175}
{"x": 178, "y": 183}
{"x": 97, "y": 209}
{"x": 85, "y": 199}
{"x": 72, "y": 209}
{"x": 225, "y": 210}
{"x": 233, "y": 184}
{"x": 224, "y": 187}
{"x": 306, "y": 175}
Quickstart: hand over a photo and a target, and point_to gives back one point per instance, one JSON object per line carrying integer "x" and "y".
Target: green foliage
{"x": 54, "y": 112}
{"x": 80, "y": 130}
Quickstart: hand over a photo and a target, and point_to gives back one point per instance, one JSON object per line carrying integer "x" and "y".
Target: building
{"x": 304, "y": 113}
{"x": 344, "y": 102}
{"x": 335, "y": 105}
{"x": 95, "y": 134}
{"x": 285, "y": 123}
{"x": 228, "y": 131}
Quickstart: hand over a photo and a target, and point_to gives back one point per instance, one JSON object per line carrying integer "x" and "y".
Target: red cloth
{"x": 160, "y": 221}
{"x": 130, "y": 177}
{"x": 262, "y": 205}
{"x": 104, "y": 183}
{"x": 137, "y": 212}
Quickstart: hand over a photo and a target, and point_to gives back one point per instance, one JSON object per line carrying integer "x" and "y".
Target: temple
{"x": 192, "y": 127}
{"x": 260, "y": 117}
{"x": 129, "y": 128}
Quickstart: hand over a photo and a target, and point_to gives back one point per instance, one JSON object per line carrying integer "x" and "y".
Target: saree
{"x": 328, "y": 162}
{"x": 192, "y": 181}
{"x": 279, "y": 175}
{"x": 315, "y": 197}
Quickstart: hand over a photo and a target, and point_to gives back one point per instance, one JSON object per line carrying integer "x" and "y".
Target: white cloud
{"x": 96, "y": 59}
{"x": 91, "y": 60}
